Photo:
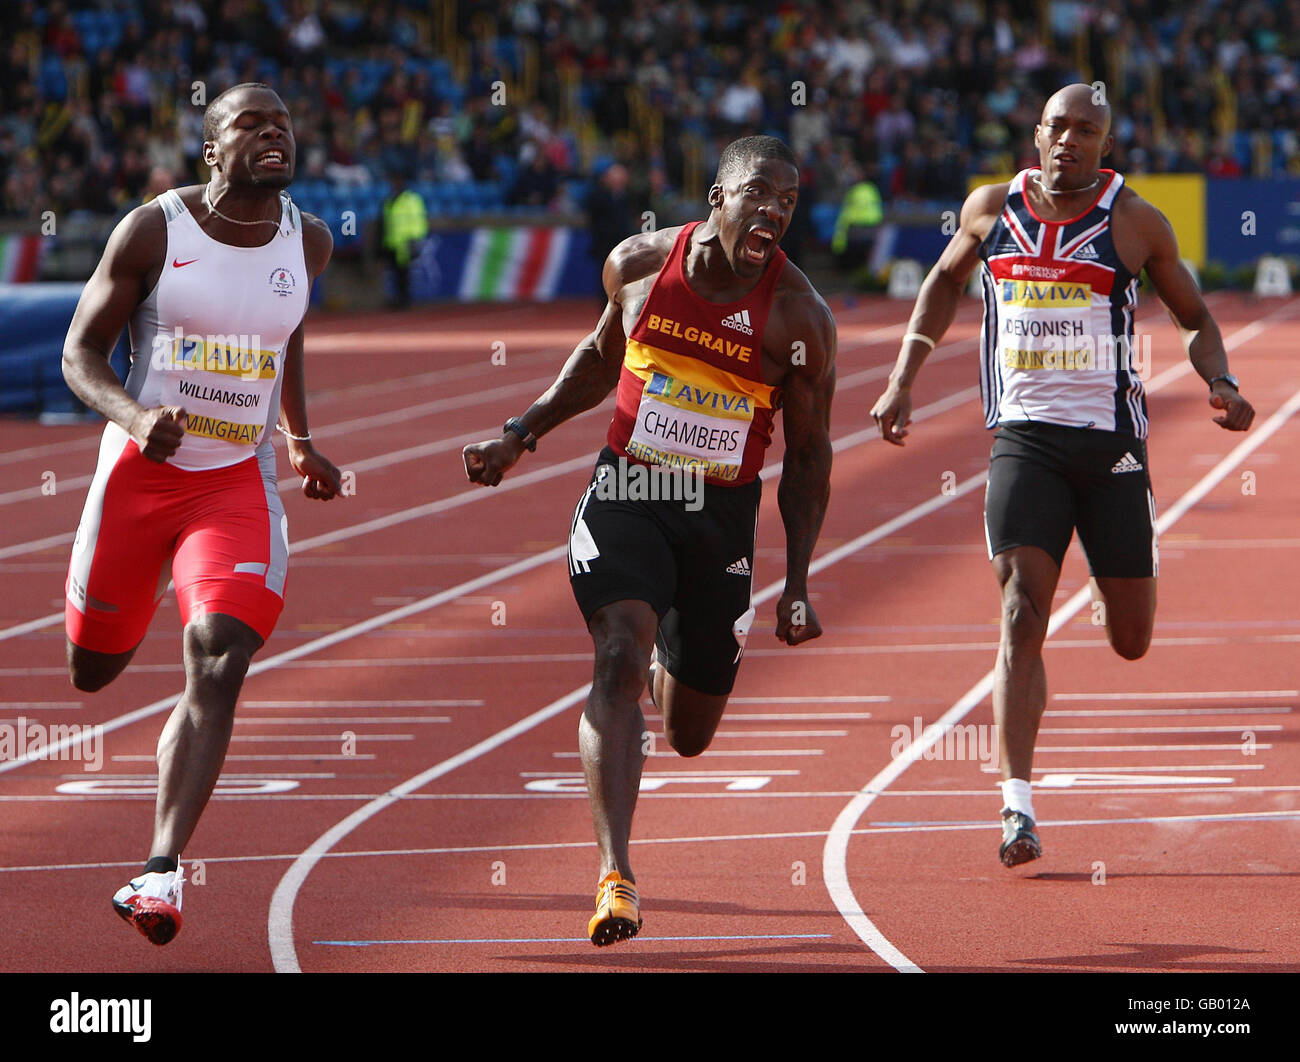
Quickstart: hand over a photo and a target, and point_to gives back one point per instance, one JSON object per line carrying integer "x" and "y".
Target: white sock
{"x": 1016, "y": 796}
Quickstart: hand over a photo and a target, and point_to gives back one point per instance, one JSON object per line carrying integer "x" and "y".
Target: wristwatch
{"x": 1229, "y": 379}
{"x": 516, "y": 427}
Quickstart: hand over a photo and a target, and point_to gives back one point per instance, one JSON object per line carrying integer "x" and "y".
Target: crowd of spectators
{"x": 98, "y": 95}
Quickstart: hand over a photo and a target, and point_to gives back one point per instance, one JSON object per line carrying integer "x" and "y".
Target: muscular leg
{"x": 193, "y": 744}
{"x": 1130, "y": 613}
{"x": 690, "y": 717}
{"x": 91, "y": 671}
{"x": 1028, "y": 577}
{"x": 610, "y": 733}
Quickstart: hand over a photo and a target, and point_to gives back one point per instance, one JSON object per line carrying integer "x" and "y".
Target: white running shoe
{"x": 152, "y": 903}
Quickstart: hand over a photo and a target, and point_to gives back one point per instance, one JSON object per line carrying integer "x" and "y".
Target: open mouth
{"x": 758, "y": 245}
{"x": 275, "y": 159}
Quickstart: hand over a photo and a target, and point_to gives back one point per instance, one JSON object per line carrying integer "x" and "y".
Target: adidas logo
{"x": 741, "y": 567}
{"x": 740, "y": 322}
{"x": 1127, "y": 463}
{"x": 1086, "y": 251}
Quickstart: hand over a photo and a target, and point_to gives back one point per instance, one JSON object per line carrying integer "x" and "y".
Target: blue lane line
{"x": 566, "y": 940}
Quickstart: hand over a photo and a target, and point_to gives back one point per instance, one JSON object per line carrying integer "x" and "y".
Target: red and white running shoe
{"x": 152, "y": 903}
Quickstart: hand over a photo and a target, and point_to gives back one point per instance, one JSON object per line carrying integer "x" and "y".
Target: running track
{"x": 403, "y": 791}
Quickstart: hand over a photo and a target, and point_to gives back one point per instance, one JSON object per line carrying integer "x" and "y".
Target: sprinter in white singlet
{"x": 213, "y": 281}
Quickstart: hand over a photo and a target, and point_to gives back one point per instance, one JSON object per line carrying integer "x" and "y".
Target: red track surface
{"x": 490, "y": 865}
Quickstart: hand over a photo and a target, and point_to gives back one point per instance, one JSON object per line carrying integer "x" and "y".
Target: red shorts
{"x": 220, "y": 534}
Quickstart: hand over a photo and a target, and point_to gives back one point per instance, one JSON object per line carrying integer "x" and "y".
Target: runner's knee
{"x": 1024, "y": 624}
{"x": 90, "y": 672}
{"x": 215, "y": 662}
{"x": 1130, "y": 644}
{"x": 687, "y": 743}
{"x": 620, "y": 671}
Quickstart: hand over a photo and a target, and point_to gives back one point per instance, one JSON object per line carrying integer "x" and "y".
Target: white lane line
{"x": 1177, "y": 695}
{"x": 67, "y": 484}
{"x": 312, "y": 721}
{"x": 659, "y": 774}
{"x": 1172, "y": 711}
{"x": 284, "y": 956}
{"x": 36, "y": 545}
{"x": 878, "y": 698}
{"x": 278, "y": 758}
{"x": 287, "y": 756}
{"x": 779, "y": 733}
{"x": 1190, "y": 787}
{"x": 835, "y": 853}
{"x": 1236, "y": 745}
{"x": 332, "y": 738}
{"x": 783, "y": 835}
{"x": 1159, "y": 729}
{"x": 226, "y": 776}
{"x": 31, "y": 706}
{"x": 33, "y": 625}
{"x": 1131, "y": 769}
{"x": 473, "y": 702}
{"x": 712, "y": 754}
{"x": 771, "y": 717}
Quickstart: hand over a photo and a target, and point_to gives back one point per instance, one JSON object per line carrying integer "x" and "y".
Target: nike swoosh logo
{"x": 177, "y": 265}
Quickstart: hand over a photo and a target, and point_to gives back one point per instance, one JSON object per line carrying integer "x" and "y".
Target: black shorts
{"x": 688, "y": 552}
{"x": 1045, "y": 480}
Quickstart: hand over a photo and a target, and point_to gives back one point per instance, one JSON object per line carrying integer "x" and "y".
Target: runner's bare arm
{"x": 806, "y": 473}
{"x": 132, "y": 258}
{"x": 590, "y": 372}
{"x": 1177, "y": 290}
{"x": 936, "y": 305}
{"x": 320, "y": 478}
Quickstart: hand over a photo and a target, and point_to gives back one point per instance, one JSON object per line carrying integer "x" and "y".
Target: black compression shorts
{"x": 1046, "y": 480}
{"x": 688, "y": 553}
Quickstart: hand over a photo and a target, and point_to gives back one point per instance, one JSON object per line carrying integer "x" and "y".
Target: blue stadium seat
{"x": 1241, "y": 149}
{"x": 824, "y": 216}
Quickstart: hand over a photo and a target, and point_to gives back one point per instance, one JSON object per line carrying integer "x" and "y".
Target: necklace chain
{"x": 1065, "y": 191}
{"x": 207, "y": 200}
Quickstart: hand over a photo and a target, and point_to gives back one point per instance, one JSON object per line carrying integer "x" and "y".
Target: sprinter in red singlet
{"x": 1062, "y": 246}
{"x": 213, "y": 281}
{"x": 708, "y": 331}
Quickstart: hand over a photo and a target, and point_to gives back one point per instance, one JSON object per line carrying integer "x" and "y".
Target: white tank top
{"x": 211, "y": 335}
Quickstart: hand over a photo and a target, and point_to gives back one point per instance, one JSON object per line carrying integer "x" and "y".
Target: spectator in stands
{"x": 536, "y": 184}
{"x": 1221, "y": 161}
{"x": 405, "y": 225}
{"x": 160, "y": 179}
{"x": 855, "y": 230}
{"x": 610, "y": 217}
{"x": 954, "y": 79}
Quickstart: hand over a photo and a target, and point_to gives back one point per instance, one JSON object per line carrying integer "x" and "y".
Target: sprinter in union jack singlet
{"x": 708, "y": 331}
{"x": 1061, "y": 247}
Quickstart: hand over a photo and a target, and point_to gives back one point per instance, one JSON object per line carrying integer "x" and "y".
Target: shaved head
{"x": 1080, "y": 98}
{"x": 1072, "y": 137}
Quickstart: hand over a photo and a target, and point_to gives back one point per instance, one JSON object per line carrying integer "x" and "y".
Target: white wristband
{"x": 290, "y": 435}
{"x": 918, "y": 336}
